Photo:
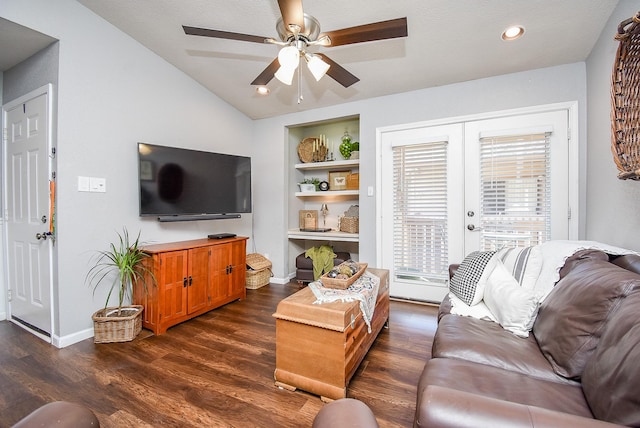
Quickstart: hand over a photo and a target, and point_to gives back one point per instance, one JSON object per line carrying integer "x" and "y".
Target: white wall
{"x": 613, "y": 205}
{"x": 112, "y": 93}
{"x": 545, "y": 86}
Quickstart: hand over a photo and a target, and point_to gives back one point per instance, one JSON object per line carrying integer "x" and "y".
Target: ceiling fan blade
{"x": 338, "y": 73}
{"x": 194, "y": 31}
{"x": 292, "y": 13}
{"x": 267, "y": 74}
{"x": 369, "y": 32}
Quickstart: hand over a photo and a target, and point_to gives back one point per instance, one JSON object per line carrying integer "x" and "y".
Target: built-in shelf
{"x": 354, "y": 163}
{"x": 329, "y": 193}
{"x": 333, "y": 235}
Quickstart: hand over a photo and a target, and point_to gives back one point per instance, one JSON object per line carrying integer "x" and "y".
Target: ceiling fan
{"x": 298, "y": 31}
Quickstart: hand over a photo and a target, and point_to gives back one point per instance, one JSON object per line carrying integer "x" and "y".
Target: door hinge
{"x": 568, "y": 134}
{"x": 569, "y": 213}
{"x": 9, "y": 295}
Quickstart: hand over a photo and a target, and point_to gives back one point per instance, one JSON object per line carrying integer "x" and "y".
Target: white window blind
{"x": 515, "y": 190}
{"x": 420, "y": 245}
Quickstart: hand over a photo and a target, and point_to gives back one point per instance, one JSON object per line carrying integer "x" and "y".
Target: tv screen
{"x": 182, "y": 182}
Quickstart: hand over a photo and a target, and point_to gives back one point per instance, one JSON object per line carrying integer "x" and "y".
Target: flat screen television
{"x": 179, "y": 184}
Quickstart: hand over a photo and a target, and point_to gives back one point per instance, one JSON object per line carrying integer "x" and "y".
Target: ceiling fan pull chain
{"x": 300, "y": 97}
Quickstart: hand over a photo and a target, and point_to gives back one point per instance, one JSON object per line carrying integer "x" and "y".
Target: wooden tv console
{"x": 191, "y": 278}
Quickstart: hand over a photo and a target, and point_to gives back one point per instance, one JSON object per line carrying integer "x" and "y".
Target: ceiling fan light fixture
{"x": 285, "y": 75}
{"x": 289, "y": 57}
{"x": 512, "y": 33}
{"x": 316, "y": 66}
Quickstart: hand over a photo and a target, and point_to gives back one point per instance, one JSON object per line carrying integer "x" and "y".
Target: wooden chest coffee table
{"x": 320, "y": 346}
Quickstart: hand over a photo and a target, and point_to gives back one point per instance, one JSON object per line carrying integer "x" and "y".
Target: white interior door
{"x": 434, "y": 207}
{"x": 27, "y": 169}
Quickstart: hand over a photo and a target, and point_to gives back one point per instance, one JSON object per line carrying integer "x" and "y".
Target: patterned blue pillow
{"x": 468, "y": 282}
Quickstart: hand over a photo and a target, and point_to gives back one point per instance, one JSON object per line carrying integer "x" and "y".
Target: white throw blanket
{"x": 554, "y": 255}
{"x": 364, "y": 289}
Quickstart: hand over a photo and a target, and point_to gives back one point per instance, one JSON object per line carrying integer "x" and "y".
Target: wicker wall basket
{"x": 109, "y": 329}
{"x": 258, "y": 271}
{"x": 625, "y": 100}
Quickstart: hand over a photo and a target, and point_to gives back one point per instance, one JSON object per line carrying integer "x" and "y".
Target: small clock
{"x": 324, "y": 185}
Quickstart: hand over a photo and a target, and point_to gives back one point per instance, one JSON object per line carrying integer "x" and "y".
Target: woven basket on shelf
{"x": 349, "y": 224}
{"x": 109, "y": 329}
{"x": 258, "y": 271}
{"x": 625, "y": 100}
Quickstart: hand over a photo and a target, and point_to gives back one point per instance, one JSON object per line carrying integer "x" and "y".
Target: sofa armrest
{"x": 446, "y": 407}
{"x": 345, "y": 412}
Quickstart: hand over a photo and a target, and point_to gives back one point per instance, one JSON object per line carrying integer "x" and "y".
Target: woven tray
{"x": 625, "y": 100}
{"x": 305, "y": 151}
{"x": 342, "y": 284}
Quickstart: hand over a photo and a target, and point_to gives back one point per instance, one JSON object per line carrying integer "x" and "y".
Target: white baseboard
{"x": 279, "y": 280}
{"x": 3, "y": 316}
{"x": 70, "y": 339}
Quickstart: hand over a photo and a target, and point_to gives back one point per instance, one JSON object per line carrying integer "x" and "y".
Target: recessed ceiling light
{"x": 262, "y": 90}
{"x": 513, "y": 32}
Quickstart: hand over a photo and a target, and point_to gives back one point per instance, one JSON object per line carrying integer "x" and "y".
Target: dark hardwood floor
{"x": 214, "y": 371}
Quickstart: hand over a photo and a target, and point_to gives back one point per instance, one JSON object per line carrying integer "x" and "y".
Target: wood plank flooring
{"x": 214, "y": 371}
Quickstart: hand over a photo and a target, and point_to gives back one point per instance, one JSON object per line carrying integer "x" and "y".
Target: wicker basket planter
{"x": 108, "y": 328}
{"x": 258, "y": 271}
{"x": 350, "y": 224}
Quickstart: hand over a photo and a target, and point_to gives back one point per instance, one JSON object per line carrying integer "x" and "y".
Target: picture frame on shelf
{"x": 338, "y": 180}
{"x": 308, "y": 219}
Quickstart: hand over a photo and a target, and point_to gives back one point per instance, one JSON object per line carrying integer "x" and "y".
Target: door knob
{"x": 471, "y": 226}
{"x": 43, "y": 235}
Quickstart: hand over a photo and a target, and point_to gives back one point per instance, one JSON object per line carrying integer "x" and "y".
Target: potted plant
{"x": 355, "y": 150}
{"x": 309, "y": 184}
{"x": 121, "y": 268}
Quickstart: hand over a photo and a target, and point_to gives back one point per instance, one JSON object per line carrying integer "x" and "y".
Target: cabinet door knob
{"x": 190, "y": 281}
{"x": 184, "y": 282}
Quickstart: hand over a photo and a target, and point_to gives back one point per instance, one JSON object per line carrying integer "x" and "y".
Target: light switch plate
{"x": 83, "y": 184}
{"x": 97, "y": 184}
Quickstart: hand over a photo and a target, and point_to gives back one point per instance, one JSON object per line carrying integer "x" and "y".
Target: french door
{"x": 449, "y": 189}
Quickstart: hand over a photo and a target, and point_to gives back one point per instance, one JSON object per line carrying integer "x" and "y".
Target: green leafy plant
{"x": 123, "y": 265}
{"x": 355, "y": 146}
{"x": 315, "y": 181}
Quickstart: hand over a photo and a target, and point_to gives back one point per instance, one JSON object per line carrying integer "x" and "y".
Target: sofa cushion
{"x": 513, "y": 306}
{"x": 485, "y": 342}
{"x": 611, "y": 378}
{"x": 503, "y": 385}
{"x": 470, "y": 278}
{"x": 573, "y": 316}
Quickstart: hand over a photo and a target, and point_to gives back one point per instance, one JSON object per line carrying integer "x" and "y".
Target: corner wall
{"x": 113, "y": 93}
{"x": 613, "y": 205}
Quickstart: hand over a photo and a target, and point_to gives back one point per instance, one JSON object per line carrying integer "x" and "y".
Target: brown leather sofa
{"x": 60, "y": 414}
{"x": 580, "y": 366}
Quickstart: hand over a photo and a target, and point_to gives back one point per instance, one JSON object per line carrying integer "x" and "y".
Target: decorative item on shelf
{"x": 308, "y": 219}
{"x": 324, "y": 186}
{"x": 349, "y": 223}
{"x": 355, "y": 150}
{"x": 124, "y": 265}
{"x": 258, "y": 271}
{"x": 338, "y": 180}
{"x": 625, "y": 100}
{"x": 324, "y": 209}
{"x": 353, "y": 181}
{"x": 345, "y": 146}
{"x": 309, "y": 184}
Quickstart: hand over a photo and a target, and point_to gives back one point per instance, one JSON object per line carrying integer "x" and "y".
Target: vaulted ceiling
{"x": 448, "y": 42}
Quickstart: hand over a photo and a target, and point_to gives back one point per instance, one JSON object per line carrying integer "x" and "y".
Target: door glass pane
{"x": 515, "y": 196}
{"x": 420, "y": 244}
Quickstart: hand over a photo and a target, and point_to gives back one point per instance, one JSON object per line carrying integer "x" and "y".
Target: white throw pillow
{"x": 524, "y": 264}
{"x": 515, "y": 308}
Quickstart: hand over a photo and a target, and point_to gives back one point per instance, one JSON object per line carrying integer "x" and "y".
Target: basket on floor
{"x": 109, "y": 329}
{"x": 258, "y": 271}
{"x": 625, "y": 100}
